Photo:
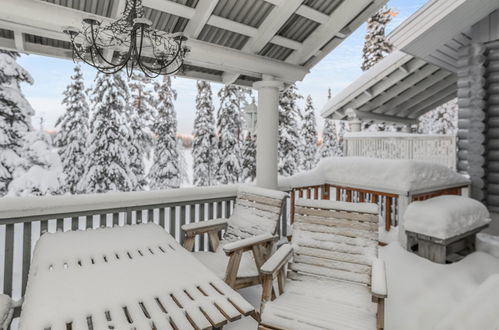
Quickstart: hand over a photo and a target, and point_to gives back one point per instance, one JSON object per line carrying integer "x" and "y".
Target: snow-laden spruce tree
{"x": 182, "y": 163}
{"x": 442, "y": 120}
{"x": 230, "y": 130}
{"x": 309, "y": 136}
{"x": 107, "y": 164}
{"x": 289, "y": 146}
{"x": 40, "y": 172}
{"x": 140, "y": 113}
{"x": 15, "y": 116}
{"x": 165, "y": 172}
{"x": 376, "y": 46}
{"x": 72, "y": 134}
{"x": 249, "y": 158}
{"x": 204, "y": 158}
{"x": 330, "y": 146}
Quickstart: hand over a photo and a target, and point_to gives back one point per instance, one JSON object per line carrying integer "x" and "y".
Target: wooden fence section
{"x": 22, "y": 226}
{"x": 388, "y": 202}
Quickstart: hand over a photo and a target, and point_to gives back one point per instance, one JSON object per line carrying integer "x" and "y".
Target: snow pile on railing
{"x": 388, "y": 175}
{"x": 14, "y": 207}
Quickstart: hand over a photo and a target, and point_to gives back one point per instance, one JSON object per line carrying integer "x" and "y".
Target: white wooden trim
{"x": 200, "y": 17}
{"x": 337, "y": 21}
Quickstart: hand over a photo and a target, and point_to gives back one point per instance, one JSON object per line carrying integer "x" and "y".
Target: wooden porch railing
{"x": 388, "y": 202}
{"x": 23, "y": 220}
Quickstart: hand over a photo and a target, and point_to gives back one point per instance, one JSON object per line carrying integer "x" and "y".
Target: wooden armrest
{"x": 195, "y": 228}
{"x": 248, "y": 243}
{"x": 277, "y": 260}
{"x": 378, "y": 279}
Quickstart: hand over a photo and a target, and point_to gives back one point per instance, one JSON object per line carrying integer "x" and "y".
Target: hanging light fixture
{"x": 138, "y": 45}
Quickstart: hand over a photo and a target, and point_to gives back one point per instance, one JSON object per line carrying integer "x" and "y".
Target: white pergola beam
{"x": 418, "y": 93}
{"x": 233, "y": 26}
{"x": 19, "y": 41}
{"x": 37, "y": 18}
{"x": 403, "y": 91}
{"x": 312, "y": 14}
{"x": 384, "y": 118}
{"x": 8, "y": 44}
{"x": 271, "y": 25}
{"x": 340, "y": 17}
{"x": 200, "y": 17}
{"x": 171, "y": 7}
{"x": 229, "y": 78}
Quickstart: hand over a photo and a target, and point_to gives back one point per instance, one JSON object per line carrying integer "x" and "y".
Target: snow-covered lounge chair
{"x": 250, "y": 233}
{"x": 334, "y": 277}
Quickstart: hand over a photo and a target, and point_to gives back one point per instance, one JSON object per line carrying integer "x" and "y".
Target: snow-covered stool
{"x": 444, "y": 228}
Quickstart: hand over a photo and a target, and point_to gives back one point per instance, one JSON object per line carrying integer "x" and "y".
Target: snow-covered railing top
{"x": 25, "y": 207}
{"x": 401, "y": 177}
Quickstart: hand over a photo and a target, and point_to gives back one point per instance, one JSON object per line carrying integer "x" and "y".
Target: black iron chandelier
{"x": 131, "y": 37}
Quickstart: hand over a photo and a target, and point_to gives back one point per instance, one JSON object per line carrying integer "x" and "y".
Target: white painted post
{"x": 355, "y": 125}
{"x": 267, "y": 131}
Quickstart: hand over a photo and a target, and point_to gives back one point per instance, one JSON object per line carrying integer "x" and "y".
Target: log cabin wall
{"x": 478, "y": 100}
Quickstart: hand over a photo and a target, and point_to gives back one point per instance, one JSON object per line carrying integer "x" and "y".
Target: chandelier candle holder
{"x": 138, "y": 45}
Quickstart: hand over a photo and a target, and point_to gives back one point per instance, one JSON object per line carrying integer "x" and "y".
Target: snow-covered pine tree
{"x": 375, "y": 44}
{"x": 140, "y": 114}
{"x": 330, "y": 145}
{"x": 442, "y": 120}
{"x": 107, "y": 158}
{"x": 182, "y": 163}
{"x": 230, "y": 130}
{"x": 309, "y": 135}
{"x": 71, "y": 138}
{"x": 15, "y": 116}
{"x": 41, "y": 171}
{"x": 289, "y": 139}
{"x": 249, "y": 158}
{"x": 165, "y": 171}
{"x": 205, "y": 140}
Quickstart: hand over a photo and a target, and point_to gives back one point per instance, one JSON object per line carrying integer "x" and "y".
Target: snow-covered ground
{"x": 422, "y": 294}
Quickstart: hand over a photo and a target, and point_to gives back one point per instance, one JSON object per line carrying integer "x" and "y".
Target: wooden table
{"x": 132, "y": 277}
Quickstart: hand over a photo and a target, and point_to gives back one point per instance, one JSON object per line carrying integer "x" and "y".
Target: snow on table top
{"x": 338, "y": 205}
{"x": 387, "y": 175}
{"x": 82, "y": 273}
{"x": 445, "y": 216}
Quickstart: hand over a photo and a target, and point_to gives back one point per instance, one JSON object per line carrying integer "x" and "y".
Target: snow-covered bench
{"x": 334, "y": 277}
{"x": 444, "y": 225}
{"x": 250, "y": 234}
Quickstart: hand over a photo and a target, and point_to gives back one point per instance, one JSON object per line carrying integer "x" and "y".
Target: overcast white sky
{"x": 335, "y": 71}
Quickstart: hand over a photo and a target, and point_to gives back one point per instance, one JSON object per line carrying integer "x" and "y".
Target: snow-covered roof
{"x": 399, "y": 88}
{"x": 421, "y": 75}
{"x": 230, "y": 40}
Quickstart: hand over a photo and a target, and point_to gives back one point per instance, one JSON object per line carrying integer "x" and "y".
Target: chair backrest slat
{"x": 336, "y": 240}
{"x": 256, "y": 211}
